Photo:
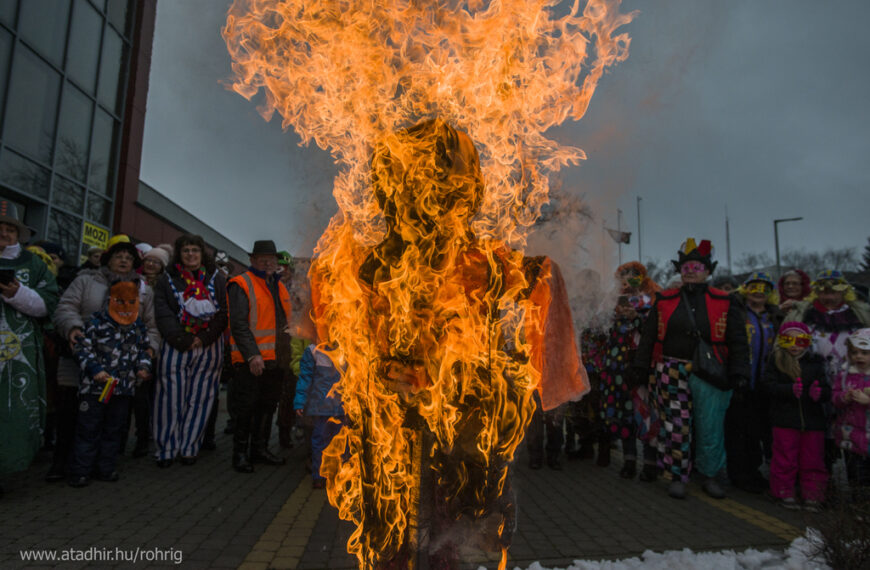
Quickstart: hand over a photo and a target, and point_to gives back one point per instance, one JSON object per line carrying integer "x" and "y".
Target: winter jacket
{"x": 239, "y": 308}
{"x": 852, "y": 426}
{"x": 788, "y": 411}
{"x": 680, "y": 339}
{"x": 317, "y": 376}
{"x": 761, "y": 329}
{"x": 831, "y": 328}
{"x": 167, "y": 309}
{"x": 120, "y": 350}
{"x": 88, "y": 294}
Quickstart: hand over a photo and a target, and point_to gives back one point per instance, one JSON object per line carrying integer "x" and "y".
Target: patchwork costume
{"x": 691, "y": 408}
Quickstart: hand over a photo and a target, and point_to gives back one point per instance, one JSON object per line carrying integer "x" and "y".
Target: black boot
{"x": 141, "y": 449}
{"x": 260, "y": 442}
{"x": 241, "y": 463}
{"x": 603, "y": 451}
{"x": 241, "y": 460}
{"x": 629, "y": 469}
{"x": 649, "y": 473}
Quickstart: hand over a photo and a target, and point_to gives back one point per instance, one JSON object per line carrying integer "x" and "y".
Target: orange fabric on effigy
{"x": 554, "y": 346}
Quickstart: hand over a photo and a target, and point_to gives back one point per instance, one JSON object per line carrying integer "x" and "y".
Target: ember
{"x": 419, "y": 277}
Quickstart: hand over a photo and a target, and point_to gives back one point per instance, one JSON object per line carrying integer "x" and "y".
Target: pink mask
{"x": 693, "y": 267}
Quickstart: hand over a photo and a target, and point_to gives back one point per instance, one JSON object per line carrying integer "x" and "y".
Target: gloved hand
{"x": 797, "y": 387}
{"x": 741, "y": 384}
{"x": 815, "y": 391}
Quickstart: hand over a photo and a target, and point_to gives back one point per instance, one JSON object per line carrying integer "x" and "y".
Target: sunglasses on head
{"x": 798, "y": 340}
{"x": 824, "y": 286}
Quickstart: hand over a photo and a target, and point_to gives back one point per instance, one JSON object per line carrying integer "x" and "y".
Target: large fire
{"x": 420, "y": 278}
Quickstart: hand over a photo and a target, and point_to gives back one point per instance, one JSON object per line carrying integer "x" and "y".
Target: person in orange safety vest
{"x": 259, "y": 309}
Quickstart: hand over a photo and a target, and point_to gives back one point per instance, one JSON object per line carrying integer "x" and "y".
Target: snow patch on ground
{"x": 798, "y": 556}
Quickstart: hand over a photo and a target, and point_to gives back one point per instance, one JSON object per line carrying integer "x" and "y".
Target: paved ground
{"x": 212, "y": 517}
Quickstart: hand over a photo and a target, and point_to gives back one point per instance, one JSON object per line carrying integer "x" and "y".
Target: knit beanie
{"x": 159, "y": 254}
{"x": 798, "y": 327}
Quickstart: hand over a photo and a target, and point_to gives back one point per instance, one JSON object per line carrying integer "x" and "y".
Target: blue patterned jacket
{"x": 120, "y": 350}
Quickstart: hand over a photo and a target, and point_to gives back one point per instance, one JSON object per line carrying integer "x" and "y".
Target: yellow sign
{"x": 95, "y": 236}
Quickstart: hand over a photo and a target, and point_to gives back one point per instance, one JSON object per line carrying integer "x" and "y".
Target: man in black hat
{"x": 259, "y": 307}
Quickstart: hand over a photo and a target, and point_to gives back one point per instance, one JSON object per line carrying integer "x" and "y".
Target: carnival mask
{"x": 757, "y": 287}
{"x": 124, "y": 302}
{"x": 830, "y": 285}
{"x": 800, "y": 340}
{"x": 690, "y": 267}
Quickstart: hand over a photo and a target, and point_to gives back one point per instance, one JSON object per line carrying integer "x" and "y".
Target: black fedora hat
{"x": 265, "y": 247}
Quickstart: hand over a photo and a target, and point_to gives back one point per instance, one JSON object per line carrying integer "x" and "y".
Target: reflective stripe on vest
{"x": 261, "y": 315}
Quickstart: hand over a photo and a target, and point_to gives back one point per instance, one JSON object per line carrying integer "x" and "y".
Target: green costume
{"x": 22, "y": 366}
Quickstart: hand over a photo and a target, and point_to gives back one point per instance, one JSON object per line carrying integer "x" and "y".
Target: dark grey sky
{"x": 759, "y": 107}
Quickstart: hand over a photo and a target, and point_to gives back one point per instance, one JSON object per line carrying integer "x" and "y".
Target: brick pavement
{"x": 221, "y": 519}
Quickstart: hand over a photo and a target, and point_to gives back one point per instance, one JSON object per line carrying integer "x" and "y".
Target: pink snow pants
{"x": 796, "y": 453}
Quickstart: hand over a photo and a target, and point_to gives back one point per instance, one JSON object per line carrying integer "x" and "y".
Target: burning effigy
{"x": 436, "y": 114}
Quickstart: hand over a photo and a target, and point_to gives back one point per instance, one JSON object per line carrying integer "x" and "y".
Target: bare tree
{"x": 844, "y": 259}
{"x": 752, "y": 262}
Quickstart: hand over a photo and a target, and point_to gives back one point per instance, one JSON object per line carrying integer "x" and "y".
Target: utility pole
{"x": 727, "y": 240}
{"x": 639, "y": 246}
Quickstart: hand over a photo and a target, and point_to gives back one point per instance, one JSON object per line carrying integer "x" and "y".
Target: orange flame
{"x": 413, "y": 278}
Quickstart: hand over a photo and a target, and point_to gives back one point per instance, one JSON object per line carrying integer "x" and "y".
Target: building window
{"x": 5, "y": 52}
{"x": 43, "y": 25}
{"x": 68, "y": 195}
{"x": 102, "y": 169}
{"x": 33, "y": 92}
{"x": 74, "y": 133}
{"x": 119, "y": 15}
{"x": 99, "y": 209}
{"x": 84, "y": 45}
{"x": 65, "y": 230}
{"x": 110, "y": 92}
{"x": 24, "y": 175}
{"x": 7, "y": 13}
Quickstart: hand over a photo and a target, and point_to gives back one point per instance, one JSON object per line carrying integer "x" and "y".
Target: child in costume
{"x": 637, "y": 291}
{"x": 852, "y": 398}
{"x": 114, "y": 357}
{"x": 317, "y": 376}
{"x": 795, "y": 381}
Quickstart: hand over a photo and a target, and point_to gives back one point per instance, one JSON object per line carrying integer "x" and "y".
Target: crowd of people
{"x": 764, "y": 383}
{"x": 140, "y": 337}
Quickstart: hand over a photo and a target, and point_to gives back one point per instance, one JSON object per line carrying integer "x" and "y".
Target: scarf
{"x": 197, "y": 307}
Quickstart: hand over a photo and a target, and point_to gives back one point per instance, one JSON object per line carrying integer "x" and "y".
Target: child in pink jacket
{"x": 851, "y": 395}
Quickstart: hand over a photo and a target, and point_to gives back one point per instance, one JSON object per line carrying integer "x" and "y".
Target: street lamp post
{"x": 776, "y": 241}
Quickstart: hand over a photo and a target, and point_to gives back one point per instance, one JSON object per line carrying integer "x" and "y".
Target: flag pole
{"x": 619, "y": 229}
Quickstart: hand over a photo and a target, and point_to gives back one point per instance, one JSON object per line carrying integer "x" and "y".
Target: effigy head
{"x": 427, "y": 180}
